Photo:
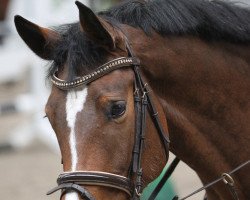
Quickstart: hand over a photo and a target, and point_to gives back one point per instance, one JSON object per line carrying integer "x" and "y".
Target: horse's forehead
{"x": 118, "y": 81}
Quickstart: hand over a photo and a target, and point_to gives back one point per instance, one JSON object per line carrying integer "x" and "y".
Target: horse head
{"x": 96, "y": 115}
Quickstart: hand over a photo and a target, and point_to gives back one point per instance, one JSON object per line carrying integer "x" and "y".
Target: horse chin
{"x": 98, "y": 193}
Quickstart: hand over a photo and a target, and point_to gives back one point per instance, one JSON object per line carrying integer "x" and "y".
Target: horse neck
{"x": 204, "y": 89}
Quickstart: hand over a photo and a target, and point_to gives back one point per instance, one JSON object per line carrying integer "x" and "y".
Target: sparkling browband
{"x": 100, "y": 71}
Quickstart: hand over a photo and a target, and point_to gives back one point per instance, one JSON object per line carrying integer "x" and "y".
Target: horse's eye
{"x": 118, "y": 108}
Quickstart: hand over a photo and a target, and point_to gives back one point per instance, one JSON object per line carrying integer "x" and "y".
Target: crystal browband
{"x": 100, "y": 71}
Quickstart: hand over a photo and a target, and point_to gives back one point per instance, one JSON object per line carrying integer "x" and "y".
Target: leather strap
{"x": 138, "y": 183}
{"x": 142, "y": 102}
{"x": 136, "y": 149}
{"x": 83, "y": 192}
{"x": 97, "y": 178}
{"x": 233, "y": 192}
{"x": 164, "y": 179}
{"x": 94, "y": 75}
{"x": 214, "y": 182}
{"x": 153, "y": 111}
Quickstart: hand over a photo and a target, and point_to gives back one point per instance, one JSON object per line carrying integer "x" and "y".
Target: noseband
{"x": 75, "y": 180}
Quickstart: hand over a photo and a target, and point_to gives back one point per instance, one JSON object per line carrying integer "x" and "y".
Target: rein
{"x": 226, "y": 178}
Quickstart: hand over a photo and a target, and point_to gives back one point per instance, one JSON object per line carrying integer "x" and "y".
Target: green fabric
{"x": 167, "y": 192}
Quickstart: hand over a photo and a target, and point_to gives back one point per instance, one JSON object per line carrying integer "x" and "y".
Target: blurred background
{"x": 29, "y": 154}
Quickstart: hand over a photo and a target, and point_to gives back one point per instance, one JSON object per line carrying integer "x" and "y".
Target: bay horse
{"x": 194, "y": 59}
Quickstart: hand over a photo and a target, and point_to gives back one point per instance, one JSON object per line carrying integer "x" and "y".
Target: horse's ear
{"x": 40, "y": 40}
{"x": 93, "y": 27}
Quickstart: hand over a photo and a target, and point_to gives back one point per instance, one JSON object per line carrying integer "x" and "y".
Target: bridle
{"x": 75, "y": 180}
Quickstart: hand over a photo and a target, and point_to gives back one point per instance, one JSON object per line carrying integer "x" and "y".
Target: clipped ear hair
{"x": 93, "y": 27}
{"x": 40, "y": 40}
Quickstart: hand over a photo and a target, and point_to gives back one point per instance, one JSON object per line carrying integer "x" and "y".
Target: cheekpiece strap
{"x": 99, "y": 72}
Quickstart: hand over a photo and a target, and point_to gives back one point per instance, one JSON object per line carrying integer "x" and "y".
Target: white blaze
{"x": 74, "y": 104}
{"x": 71, "y": 196}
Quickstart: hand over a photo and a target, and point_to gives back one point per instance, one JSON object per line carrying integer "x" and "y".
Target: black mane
{"x": 210, "y": 20}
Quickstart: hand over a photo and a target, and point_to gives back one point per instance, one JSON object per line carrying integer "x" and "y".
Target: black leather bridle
{"x": 75, "y": 180}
